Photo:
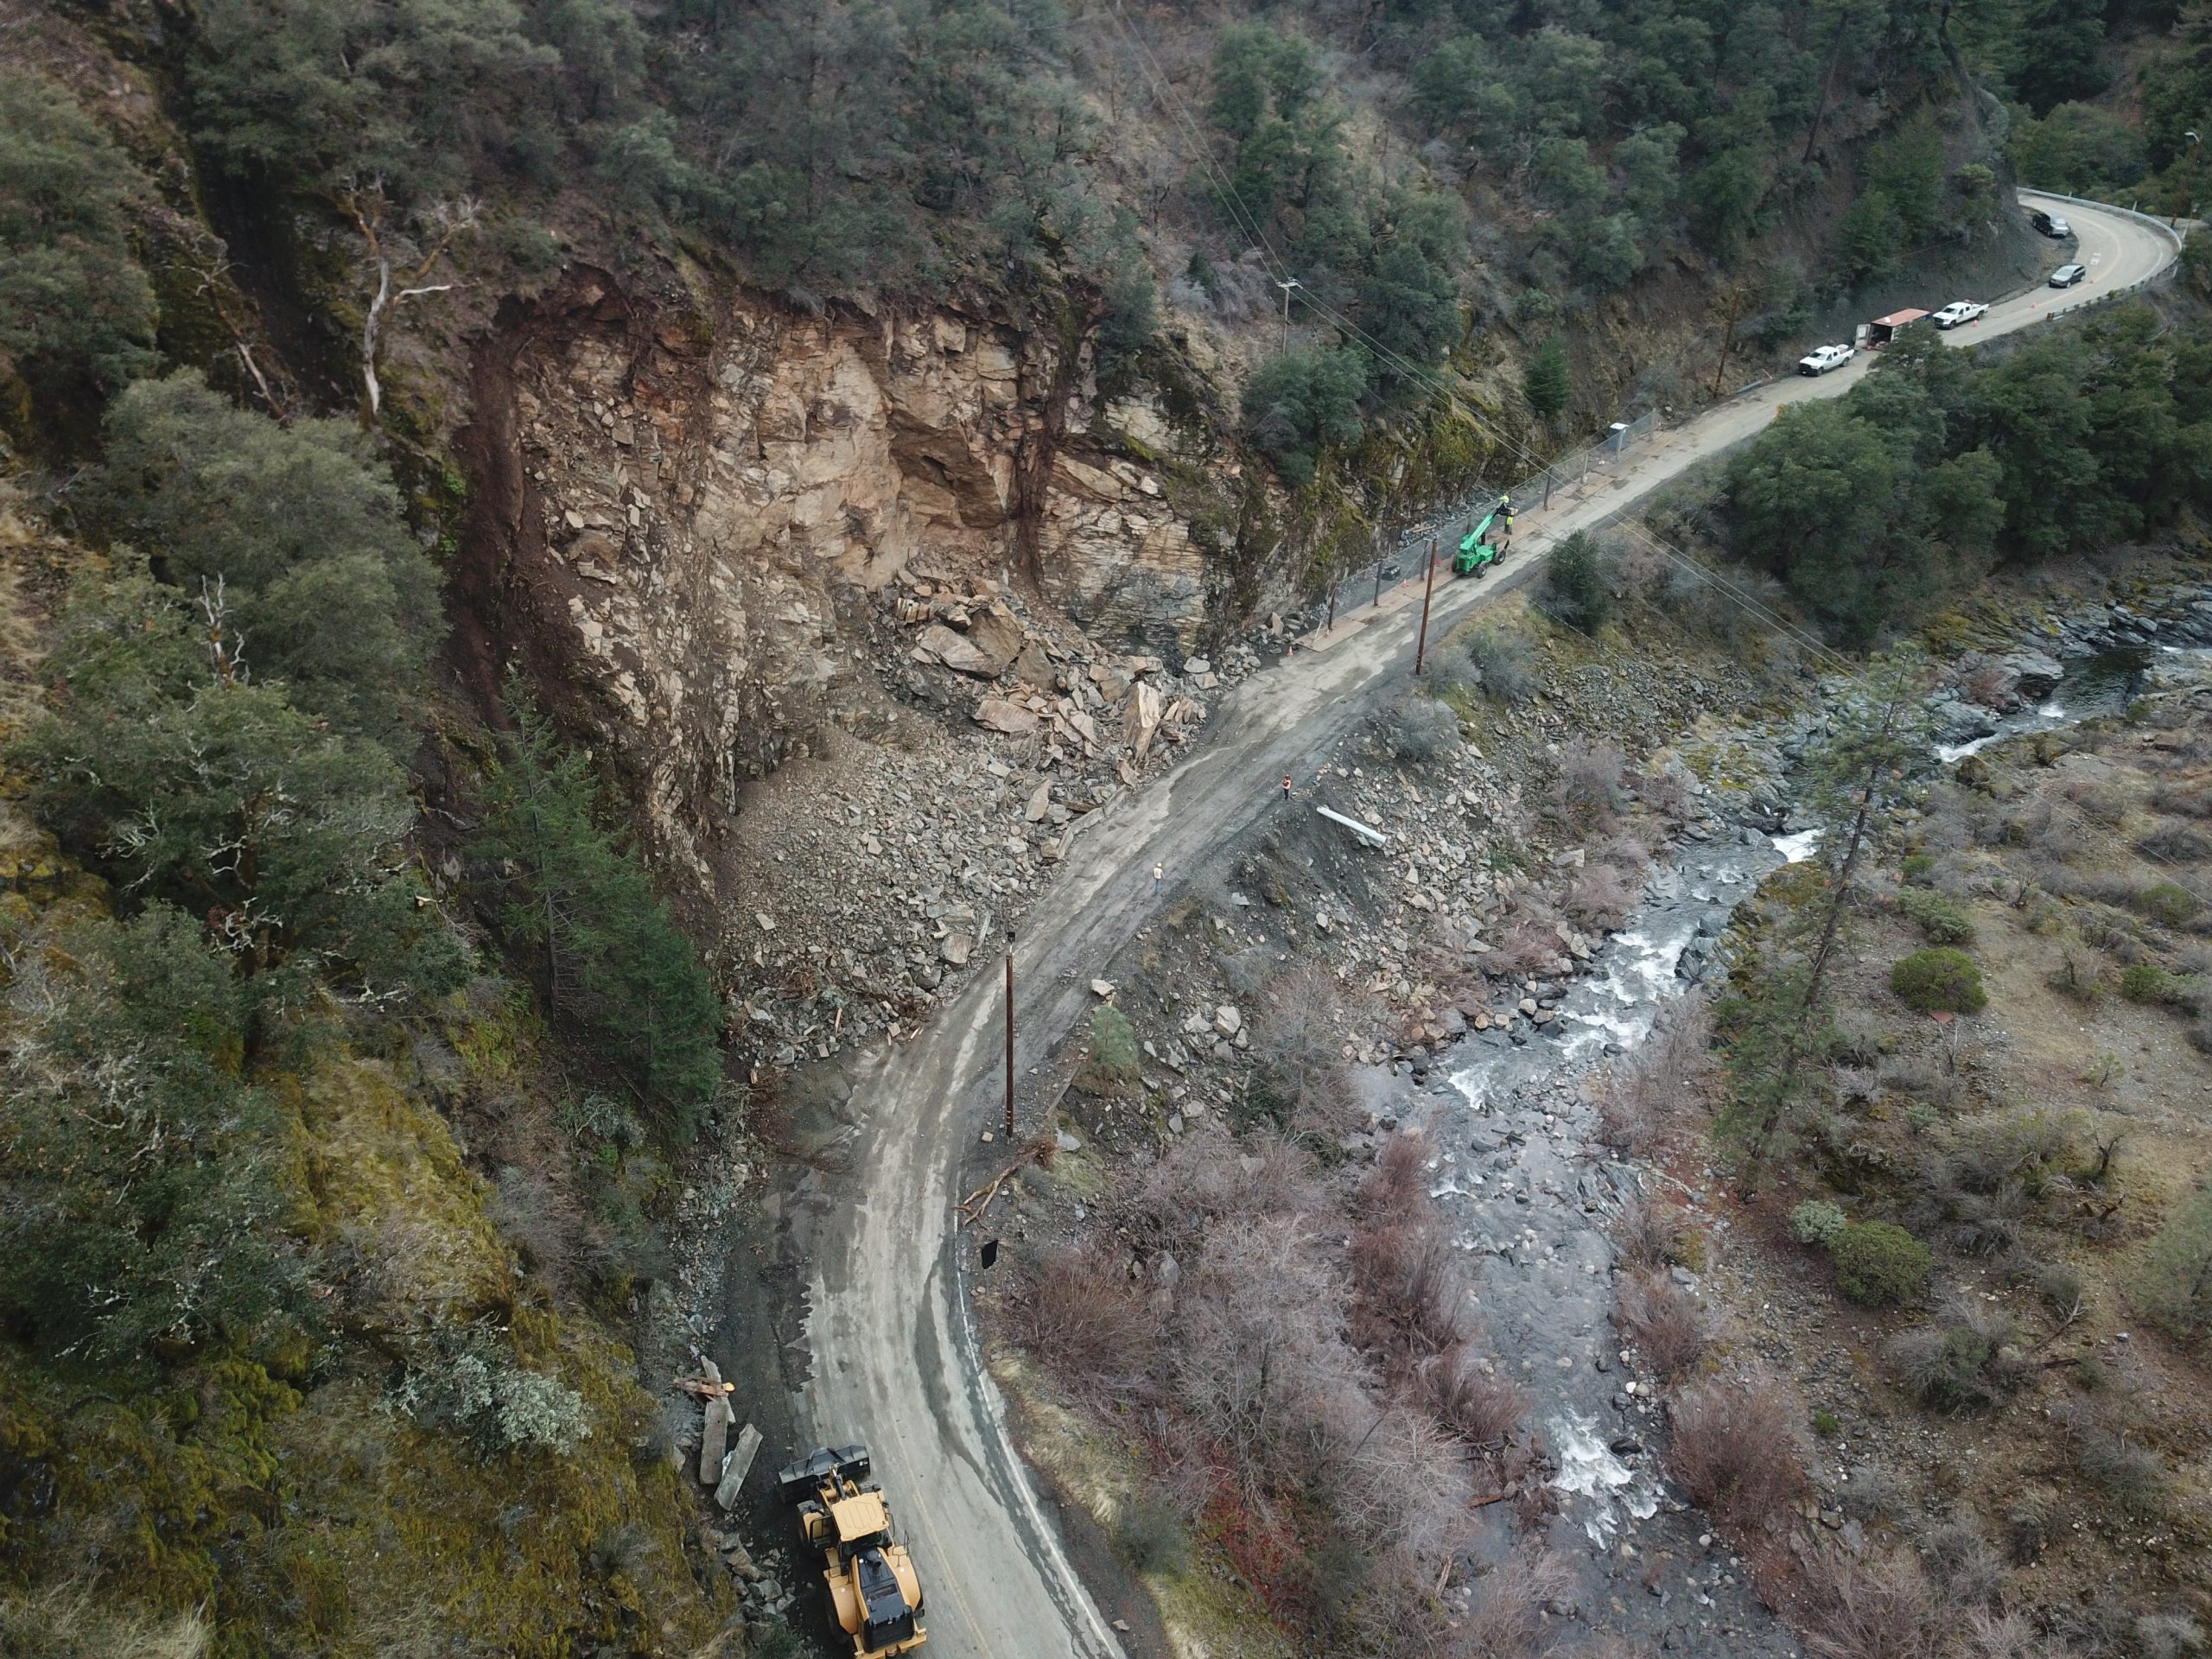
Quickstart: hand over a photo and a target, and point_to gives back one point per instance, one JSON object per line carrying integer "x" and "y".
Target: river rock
{"x": 2034, "y": 675}
{"x": 1959, "y": 722}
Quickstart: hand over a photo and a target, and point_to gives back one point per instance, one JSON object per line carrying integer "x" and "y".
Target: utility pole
{"x": 1420, "y": 646}
{"x": 2187, "y": 203}
{"x": 1009, "y": 1038}
{"x": 1735, "y": 302}
{"x": 1287, "y": 284}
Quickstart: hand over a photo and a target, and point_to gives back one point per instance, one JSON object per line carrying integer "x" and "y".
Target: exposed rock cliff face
{"x": 694, "y": 517}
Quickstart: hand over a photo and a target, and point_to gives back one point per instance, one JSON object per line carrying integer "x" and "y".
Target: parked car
{"x": 2067, "y": 276}
{"x": 1821, "y": 358}
{"x": 2051, "y": 225}
{"x": 1959, "y": 311}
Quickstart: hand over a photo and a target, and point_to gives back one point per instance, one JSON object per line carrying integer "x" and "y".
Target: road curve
{"x": 896, "y": 1359}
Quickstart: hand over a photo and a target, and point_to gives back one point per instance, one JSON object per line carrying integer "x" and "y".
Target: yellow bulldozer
{"x": 874, "y": 1593}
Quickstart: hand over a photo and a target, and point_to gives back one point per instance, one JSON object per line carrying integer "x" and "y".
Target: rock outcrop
{"x": 700, "y": 514}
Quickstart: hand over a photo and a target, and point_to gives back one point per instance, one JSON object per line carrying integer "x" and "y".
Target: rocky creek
{"x": 1530, "y": 1192}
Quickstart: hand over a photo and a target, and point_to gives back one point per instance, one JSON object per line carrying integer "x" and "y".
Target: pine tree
{"x": 1549, "y": 386}
{"x": 604, "y": 949}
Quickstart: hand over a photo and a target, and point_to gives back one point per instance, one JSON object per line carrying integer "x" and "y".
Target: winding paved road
{"x": 897, "y": 1362}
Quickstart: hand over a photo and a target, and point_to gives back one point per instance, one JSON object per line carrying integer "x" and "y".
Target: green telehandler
{"x": 1477, "y": 553}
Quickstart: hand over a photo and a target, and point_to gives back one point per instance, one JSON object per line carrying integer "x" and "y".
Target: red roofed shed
{"x": 1882, "y": 330}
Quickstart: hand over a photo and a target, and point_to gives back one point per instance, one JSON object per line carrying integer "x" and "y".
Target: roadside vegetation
{"x": 1941, "y": 465}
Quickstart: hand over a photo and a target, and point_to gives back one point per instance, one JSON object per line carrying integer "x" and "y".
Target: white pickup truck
{"x": 1959, "y": 311}
{"x": 1821, "y": 358}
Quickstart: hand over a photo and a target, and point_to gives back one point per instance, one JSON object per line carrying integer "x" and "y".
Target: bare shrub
{"x": 2173, "y": 842}
{"x": 1421, "y": 730}
{"x": 1504, "y": 660}
{"x": 2130, "y": 1473}
{"x": 1647, "y": 1233}
{"x": 1666, "y": 792}
{"x": 1643, "y": 1093}
{"x": 2105, "y": 803}
{"x": 2032, "y": 1522}
{"x": 1872, "y": 1610}
{"x": 2008, "y": 1636}
{"x": 1407, "y": 1293}
{"x": 1473, "y": 1401}
{"x": 1958, "y": 1558}
{"x": 1586, "y": 791}
{"x": 66, "y": 1622}
{"x": 1258, "y": 1361}
{"x": 1300, "y": 1041}
{"x": 1083, "y": 1319}
{"x": 1207, "y": 1184}
{"x": 1736, "y": 1449}
{"x": 1669, "y": 1326}
{"x": 1600, "y": 896}
{"x": 1527, "y": 946}
{"x": 1506, "y": 1619}
{"x": 2190, "y": 800}
{"x": 541, "y": 1220}
{"x": 2169, "y": 1636}
{"x": 1395, "y": 1482}
{"x": 1626, "y": 854}
{"x": 1397, "y": 1187}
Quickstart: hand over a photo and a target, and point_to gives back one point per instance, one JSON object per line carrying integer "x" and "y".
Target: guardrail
{"x": 2158, "y": 225}
{"x": 1398, "y": 555}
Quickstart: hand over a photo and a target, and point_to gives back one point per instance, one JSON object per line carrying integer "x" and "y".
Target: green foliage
{"x": 1817, "y": 1222}
{"x": 1579, "y": 578}
{"x": 1939, "y": 979}
{"x": 1548, "y": 384}
{"x": 289, "y": 529}
{"x": 601, "y": 945}
{"x": 1963, "y": 1360}
{"x": 2168, "y": 902}
{"x": 2145, "y": 981}
{"x": 76, "y": 310}
{"x": 1151, "y": 1536}
{"x": 1408, "y": 297}
{"x": 1941, "y": 919}
{"x": 1113, "y": 1063}
{"x": 1873, "y": 507}
{"x": 474, "y": 1389}
{"x": 136, "y": 1164}
{"x": 1907, "y": 167}
{"x": 2172, "y": 1284}
{"x": 1870, "y": 239}
{"x": 324, "y": 93}
{"x": 223, "y": 799}
{"x": 1878, "y": 1263}
{"x": 1302, "y": 402}
{"x": 1258, "y": 71}
{"x": 2078, "y": 149}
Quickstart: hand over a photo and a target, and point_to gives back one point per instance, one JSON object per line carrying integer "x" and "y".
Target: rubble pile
{"x": 877, "y": 872}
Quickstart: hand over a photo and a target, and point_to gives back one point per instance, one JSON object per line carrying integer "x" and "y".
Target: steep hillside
{"x": 464, "y": 458}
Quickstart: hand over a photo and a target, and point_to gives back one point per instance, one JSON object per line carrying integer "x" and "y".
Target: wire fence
{"x": 1398, "y": 554}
